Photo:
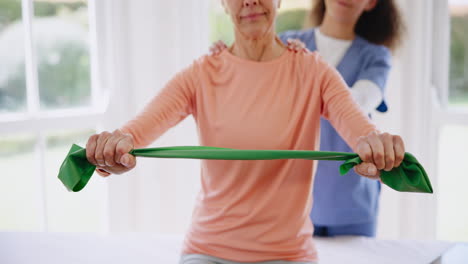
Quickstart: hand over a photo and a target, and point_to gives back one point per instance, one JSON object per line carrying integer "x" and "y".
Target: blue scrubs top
{"x": 348, "y": 199}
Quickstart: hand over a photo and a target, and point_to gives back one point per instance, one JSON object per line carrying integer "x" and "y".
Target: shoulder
{"x": 207, "y": 65}
{"x": 205, "y": 62}
{"x": 311, "y": 66}
{"x": 312, "y": 60}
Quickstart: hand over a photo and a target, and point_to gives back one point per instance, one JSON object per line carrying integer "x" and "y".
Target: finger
{"x": 91, "y": 149}
{"x": 388, "y": 151}
{"x": 377, "y": 151}
{"x": 128, "y": 160}
{"x": 220, "y": 46}
{"x": 109, "y": 149}
{"x": 292, "y": 44}
{"x": 300, "y": 45}
{"x": 217, "y": 47}
{"x": 364, "y": 150}
{"x": 124, "y": 146}
{"x": 99, "y": 154}
{"x": 289, "y": 46}
{"x": 368, "y": 170}
{"x": 214, "y": 48}
{"x": 399, "y": 148}
{"x": 218, "y": 50}
{"x": 102, "y": 172}
{"x": 297, "y": 45}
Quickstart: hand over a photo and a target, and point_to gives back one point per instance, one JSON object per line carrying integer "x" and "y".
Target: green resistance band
{"x": 410, "y": 176}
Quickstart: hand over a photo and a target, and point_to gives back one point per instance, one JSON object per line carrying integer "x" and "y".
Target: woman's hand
{"x": 379, "y": 152}
{"x": 217, "y": 47}
{"x": 109, "y": 152}
{"x": 296, "y": 45}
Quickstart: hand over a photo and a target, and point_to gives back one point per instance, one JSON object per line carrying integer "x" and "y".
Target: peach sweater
{"x": 249, "y": 211}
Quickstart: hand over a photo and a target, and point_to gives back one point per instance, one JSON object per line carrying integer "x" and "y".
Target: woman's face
{"x": 252, "y": 18}
{"x": 348, "y": 11}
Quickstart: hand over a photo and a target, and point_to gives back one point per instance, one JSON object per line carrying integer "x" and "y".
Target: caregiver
{"x": 356, "y": 37}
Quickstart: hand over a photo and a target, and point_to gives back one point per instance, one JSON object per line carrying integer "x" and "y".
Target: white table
{"x": 142, "y": 248}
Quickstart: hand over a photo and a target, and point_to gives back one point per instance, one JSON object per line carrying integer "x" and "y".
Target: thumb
{"x": 128, "y": 160}
{"x": 368, "y": 170}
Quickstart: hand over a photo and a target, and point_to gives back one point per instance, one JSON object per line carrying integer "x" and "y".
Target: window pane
{"x": 62, "y": 46}
{"x": 12, "y": 66}
{"x": 20, "y": 205}
{"x": 458, "y": 93}
{"x": 290, "y": 17}
{"x": 453, "y": 179}
{"x": 67, "y": 211}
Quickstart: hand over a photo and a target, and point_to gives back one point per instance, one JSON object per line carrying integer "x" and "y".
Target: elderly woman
{"x": 254, "y": 95}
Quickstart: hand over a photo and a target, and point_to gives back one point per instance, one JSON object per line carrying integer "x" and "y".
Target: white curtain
{"x": 150, "y": 41}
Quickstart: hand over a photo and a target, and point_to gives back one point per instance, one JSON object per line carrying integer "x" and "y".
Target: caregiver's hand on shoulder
{"x": 379, "y": 151}
{"x": 297, "y": 45}
{"x": 109, "y": 152}
{"x": 217, "y": 47}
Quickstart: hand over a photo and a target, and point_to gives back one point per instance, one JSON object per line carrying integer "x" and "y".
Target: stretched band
{"x": 410, "y": 176}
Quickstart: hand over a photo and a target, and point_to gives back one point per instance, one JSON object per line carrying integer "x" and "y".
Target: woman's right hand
{"x": 109, "y": 152}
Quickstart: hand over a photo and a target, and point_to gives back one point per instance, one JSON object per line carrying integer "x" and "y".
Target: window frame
{"x": 443, "y": 114}
{"x": 39, "y": 122}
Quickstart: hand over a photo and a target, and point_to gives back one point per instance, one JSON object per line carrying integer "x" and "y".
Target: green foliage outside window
{"x": 60, "y": 35}
{"x": 458, "y": 91}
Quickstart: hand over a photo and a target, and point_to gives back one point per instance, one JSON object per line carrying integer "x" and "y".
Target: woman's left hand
{"x": 379, "y": 151}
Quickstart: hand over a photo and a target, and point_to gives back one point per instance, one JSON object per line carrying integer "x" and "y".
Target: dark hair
{"x": 382, "y": 25}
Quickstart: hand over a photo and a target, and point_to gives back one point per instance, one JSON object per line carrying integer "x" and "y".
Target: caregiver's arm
{"x": 367, "y": 94}
{"x": 109, "y": 151}
{"x": 377, "y": 150}
{"x": 371, "y": 82}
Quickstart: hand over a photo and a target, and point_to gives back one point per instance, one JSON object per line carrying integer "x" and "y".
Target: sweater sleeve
{"x": 170, "y": 106}
{"x": 340, "y": 108}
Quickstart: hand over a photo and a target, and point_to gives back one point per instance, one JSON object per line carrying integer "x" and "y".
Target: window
{"x": 452, "y": 117}
{"x": 291, "y": 16}
{"x": 458, "y": 78}
{"x": 48, "y": 87}
{"x": 452, "y": 214}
